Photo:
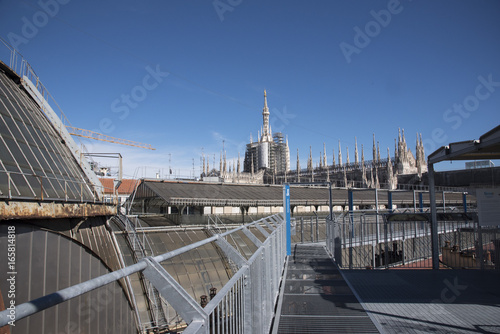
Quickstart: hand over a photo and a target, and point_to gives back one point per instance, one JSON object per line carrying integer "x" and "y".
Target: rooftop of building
{"x": 224, "y": 194}
{"x": 126, "y": 187}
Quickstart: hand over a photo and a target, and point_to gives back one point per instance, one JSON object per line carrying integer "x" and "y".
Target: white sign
{"x": 488, "y": 206}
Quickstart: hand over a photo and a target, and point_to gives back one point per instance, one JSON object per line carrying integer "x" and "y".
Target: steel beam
{"x": 173, "y": 292}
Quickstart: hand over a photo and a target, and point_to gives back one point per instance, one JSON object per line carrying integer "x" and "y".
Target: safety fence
{"x": 245, "y": 304}
{"x": 370, "y": 240}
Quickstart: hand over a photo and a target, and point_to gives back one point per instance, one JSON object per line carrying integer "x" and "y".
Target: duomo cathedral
{"x": 267, "y": 161}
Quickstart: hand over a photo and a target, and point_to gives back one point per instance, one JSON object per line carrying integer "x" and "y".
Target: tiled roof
{"x": 126, "y": 187}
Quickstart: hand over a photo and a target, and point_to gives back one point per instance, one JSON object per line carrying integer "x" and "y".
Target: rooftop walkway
{"x": 318, "y": 298}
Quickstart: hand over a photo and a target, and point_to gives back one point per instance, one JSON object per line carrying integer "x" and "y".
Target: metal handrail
{"x": 150, "y": 264}
{"x": 66, "y": 199}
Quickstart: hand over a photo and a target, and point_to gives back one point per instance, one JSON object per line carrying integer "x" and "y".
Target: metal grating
{"x": 316, "y": 299}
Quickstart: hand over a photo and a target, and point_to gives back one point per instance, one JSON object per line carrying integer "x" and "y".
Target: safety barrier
{"x": 369, "y": 240}
{"x": 244, "y": 305}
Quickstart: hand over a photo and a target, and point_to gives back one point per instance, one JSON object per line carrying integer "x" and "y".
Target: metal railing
{"x": 244, "y": 305}
{"x": 366, "y": 240}
{"x": 141, "y": 248}
{"x": 40, "y": 192}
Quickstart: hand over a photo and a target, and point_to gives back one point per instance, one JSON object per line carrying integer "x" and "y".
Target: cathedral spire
{"x": 225, "y": 162}
{"x": 347, "y": 157}
{"x": 204, "y": 166}
{"x": 239, "y": 169}
{"x": 390, "y": 175}
{"x": 378, "y": 152}
{"x": 340, "y": 155}
{"x": 298, "y": 167}
{"x": 356, "y": 161}
{"x": 220, "y": 167}
{"x": 266, "y": 133}
{"x": 362, "y": 156}
{"x": 374, "y": 150}
{"x": 310, "y": 160}
{"x": 395, "y": 150}
{"x": 324, "y": 156}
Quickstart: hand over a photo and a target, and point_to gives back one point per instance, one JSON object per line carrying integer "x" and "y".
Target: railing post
{"x": 351, "y": 221}
{"x": 464, "y": 201}
{"x": 444, "y": 202}
{"x": 301, "y": 230}
{"x": 377, "y": 226}
{"x": 312, "y": 228}
{"x": 403, "y": 244}
{"x": 386, "y": 245}
{"x": 286, "y": 212}
{"x": 8, "y": 181}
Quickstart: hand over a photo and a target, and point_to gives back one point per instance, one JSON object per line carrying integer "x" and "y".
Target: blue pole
{"x": 351, "y": 201}
{"x": 286, "y": 210}
{"x": 464, "y": 200}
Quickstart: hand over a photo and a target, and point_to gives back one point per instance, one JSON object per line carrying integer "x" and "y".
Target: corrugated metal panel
{"x": 47, "y": 262}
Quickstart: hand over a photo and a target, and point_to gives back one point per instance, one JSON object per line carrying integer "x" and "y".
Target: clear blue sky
{"x": 333, "y": 70}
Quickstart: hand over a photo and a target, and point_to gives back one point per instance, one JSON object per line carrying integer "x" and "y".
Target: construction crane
{"x": 99, "y": 136}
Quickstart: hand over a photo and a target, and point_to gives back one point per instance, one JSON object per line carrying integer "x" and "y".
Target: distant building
{"x": 270, "y": 152}
{"x": 125, "y": 189}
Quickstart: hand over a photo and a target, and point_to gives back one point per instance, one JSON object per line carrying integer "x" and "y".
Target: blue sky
{"x": 194, "y": 72}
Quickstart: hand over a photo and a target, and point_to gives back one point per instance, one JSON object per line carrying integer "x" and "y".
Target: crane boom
{"x": 99, "y": 136}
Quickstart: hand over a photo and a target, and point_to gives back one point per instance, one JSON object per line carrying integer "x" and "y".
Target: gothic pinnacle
{"x": 356, "y": 161}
